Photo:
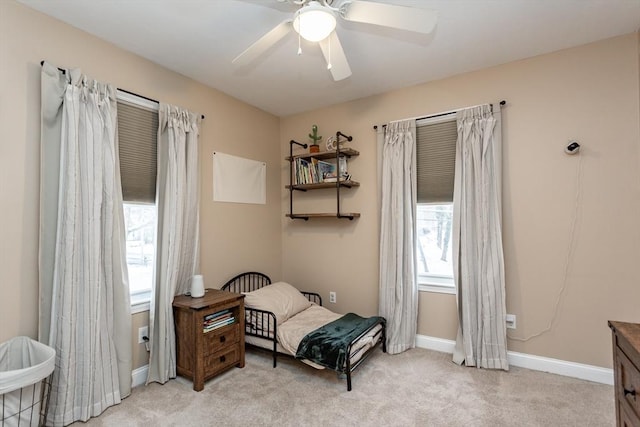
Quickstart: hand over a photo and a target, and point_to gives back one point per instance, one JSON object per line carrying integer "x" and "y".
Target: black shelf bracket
{"x": 291, "y": 180}
{"x": 349, "y": 217}
{"x": 339, "y": 172}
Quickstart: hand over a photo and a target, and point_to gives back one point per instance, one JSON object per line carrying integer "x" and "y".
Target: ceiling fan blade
{"x": 335, "y": 57}
{"x": 394, "y": 16}
{"x": 264, "y": 43}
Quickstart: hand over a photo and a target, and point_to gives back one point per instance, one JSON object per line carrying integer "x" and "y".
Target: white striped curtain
{"x": 398, "y": 281}
{"x": 178, "y": 232}
{"x": 477, "y": 240}
{"x": 84, "y": 293}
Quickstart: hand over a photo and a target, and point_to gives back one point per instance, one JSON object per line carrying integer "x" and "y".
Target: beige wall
{"x": 589, "y": 93}
{"x": 234, "y": 237}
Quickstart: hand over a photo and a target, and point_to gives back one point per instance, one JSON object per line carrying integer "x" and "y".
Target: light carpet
{"x": 416, "y": 388}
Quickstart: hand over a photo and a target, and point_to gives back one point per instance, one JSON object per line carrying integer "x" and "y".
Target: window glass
{"x": 434, "y": 254}
{"x": 140, "y": 225}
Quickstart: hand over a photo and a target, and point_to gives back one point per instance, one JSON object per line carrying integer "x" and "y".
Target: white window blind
{"x": 435, "y": 159}
{"x": 137, "y": 134}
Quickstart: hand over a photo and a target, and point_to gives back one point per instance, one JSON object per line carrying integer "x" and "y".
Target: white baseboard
{"x": 530, "y": 361}
{"x": 139, "y": 376}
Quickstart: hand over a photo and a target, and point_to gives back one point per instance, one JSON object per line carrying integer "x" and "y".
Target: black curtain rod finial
{"x": 63, "y": 71}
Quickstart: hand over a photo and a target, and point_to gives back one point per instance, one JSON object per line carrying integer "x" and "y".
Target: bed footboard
{"x": 382, "y": 339}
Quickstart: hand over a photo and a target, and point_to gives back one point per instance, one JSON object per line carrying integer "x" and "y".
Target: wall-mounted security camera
{"x": 572, "y": 148}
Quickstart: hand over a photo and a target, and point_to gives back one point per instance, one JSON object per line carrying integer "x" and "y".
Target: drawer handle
{"x": 222, "y": 359}
{"x": 223, "y": 339}
{"x": 631, "y": 392}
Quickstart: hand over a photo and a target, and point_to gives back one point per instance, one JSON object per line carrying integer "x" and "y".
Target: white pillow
{"x": 280, "y": 298}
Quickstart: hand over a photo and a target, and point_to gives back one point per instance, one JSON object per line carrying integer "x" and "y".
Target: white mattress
{"x": 291, "y": 332}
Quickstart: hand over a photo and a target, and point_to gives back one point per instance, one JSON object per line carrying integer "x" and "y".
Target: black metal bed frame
{"x": 251, "y": 281}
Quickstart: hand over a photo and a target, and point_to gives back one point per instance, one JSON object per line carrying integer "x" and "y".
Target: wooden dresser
{"x": 626, "y": 368}
{"x": 209, "y": 334}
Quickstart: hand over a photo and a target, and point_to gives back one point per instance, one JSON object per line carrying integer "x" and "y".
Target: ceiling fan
{"x": 315, "y": 21}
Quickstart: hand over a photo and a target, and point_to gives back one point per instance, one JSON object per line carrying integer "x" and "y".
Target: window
{"x": 435, "y": 153}
{"x": 140, "y": 224}
{"x": 137, "y": 135}
{"x": 435, "y": 262}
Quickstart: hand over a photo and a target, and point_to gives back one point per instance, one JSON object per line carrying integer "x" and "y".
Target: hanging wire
{"x": 568, "y": 257}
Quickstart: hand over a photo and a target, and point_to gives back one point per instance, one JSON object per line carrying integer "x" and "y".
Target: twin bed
{"x": 284, "y": 320}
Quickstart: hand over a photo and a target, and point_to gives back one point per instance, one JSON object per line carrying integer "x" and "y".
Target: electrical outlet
{"x": 332, "y": 297}
{"x": 511, "y": 321}
{"x": 142, "y": 332}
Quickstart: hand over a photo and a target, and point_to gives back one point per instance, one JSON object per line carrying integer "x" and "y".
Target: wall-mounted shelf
{"x": 324, "y": 155}
{"x": 304, "y": 187}
{"x": 306, "y": 216}
{"x": 294, "y": 183}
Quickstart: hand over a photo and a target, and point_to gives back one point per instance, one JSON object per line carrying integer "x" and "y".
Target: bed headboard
{"x": 247, "y": 282}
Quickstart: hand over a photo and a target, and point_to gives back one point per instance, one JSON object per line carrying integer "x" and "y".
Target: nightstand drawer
{"x": 627, "y": 417}
{"x": 218, "y": 339}
{"x": 221, "y": 360}
{"x": 629, "y": 383}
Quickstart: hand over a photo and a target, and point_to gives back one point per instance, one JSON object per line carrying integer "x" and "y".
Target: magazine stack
{"x": 218, "y": 320}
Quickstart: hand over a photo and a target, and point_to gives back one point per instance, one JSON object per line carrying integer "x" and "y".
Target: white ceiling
{"x": 199, "y": 39}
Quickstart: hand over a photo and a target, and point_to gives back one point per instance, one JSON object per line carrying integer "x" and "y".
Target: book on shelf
{"x": 217, "y": 319}
{"x": 314, "y": 171}
{"x": 216, "y": 314}
{"x": 219, "y": 324}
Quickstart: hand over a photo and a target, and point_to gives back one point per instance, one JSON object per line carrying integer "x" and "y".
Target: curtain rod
{"x": 503, "y": 102}
{"x": 121, "y": 90}
{"x": 143, "y": 97}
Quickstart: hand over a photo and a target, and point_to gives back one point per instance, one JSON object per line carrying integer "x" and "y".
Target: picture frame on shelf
{"x": 326, "y": 169}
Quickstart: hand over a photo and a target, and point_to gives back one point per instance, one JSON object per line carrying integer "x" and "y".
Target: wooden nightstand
{"x": 626, "y": 368}
{"x": 208, "y": 342}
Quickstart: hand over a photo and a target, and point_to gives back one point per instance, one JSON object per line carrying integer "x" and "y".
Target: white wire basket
{"x": 26, "y": 366}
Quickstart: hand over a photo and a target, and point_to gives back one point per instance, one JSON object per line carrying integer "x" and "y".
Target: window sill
{"x": 436, "y": 283}
{"x": 439, "y": 289}
{"x": 140, "y": 302}
{"x": 140, "y": 307}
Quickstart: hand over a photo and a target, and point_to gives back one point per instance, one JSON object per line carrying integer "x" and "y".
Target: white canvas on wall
{"x": 239, "y": 180}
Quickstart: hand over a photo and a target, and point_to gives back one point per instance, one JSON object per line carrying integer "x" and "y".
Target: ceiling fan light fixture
{"x": 314, "y": 22}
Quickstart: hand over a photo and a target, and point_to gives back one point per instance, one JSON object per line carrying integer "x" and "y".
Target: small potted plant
{"x": 314, "y": 147}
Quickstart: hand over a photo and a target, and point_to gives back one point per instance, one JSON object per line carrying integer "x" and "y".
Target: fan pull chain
{"x": 299, "y": 39}
{"x": 329, "y": 59}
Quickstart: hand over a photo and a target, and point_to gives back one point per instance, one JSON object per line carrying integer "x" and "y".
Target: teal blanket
{"x": 328, "y": 345}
